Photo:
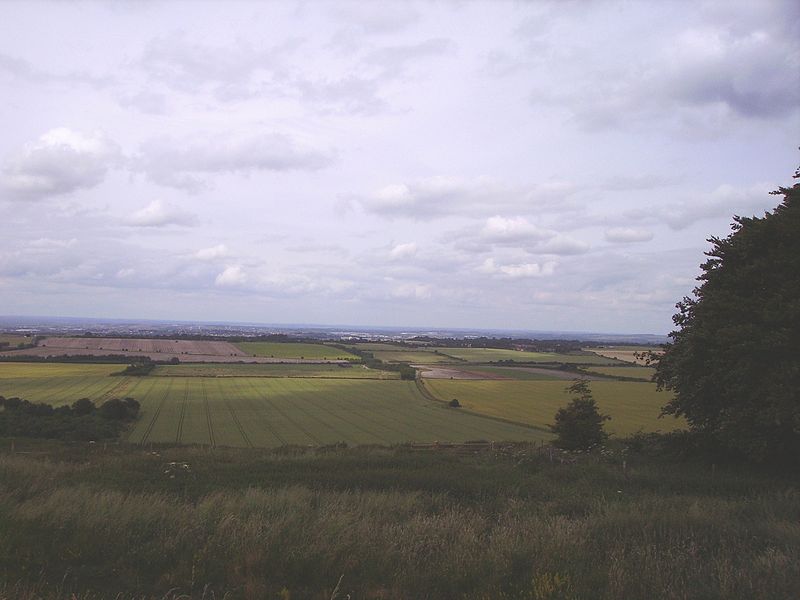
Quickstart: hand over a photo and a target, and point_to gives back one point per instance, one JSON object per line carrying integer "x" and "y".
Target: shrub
{"x": 579, "y": 425}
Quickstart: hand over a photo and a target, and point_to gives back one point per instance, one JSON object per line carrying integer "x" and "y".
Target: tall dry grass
{"x": 245, "y": 524}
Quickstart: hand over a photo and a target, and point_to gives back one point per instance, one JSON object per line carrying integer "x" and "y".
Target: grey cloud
{"x": 560, "y": 245}
{"x": 187, "y": 163}
{"x": 724, "y": 201}
{"x": 188, "y": 66}
{"x": 750, "y": 73}
{"x": 394, "y": 60}
{"x": 349, "y": 95}
{"x": 145, "y": 101}
{"x": 375, "y": 18}
{"x": 699, "y": 79}
{"x": 59, "y": 162}
{"x": 25, "y": 71}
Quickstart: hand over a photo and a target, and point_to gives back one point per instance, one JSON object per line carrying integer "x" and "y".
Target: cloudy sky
{"x": 550, "y": 166}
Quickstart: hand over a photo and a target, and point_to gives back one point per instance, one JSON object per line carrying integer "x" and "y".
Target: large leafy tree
{"x": 734, "y": 359}
{"x": 579, "y": 425}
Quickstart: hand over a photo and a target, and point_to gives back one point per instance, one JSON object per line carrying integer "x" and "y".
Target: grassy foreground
{"x": 394, "y": 523}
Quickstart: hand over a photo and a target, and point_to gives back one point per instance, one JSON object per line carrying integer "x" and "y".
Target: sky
{"x": 518, "y": 165}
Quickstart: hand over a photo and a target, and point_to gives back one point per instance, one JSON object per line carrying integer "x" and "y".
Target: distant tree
{"x": 117, "y": 409}
{"x": 734, "y": 359}
{"x": 579, "y": 425}
{"x": 84, "y": 406}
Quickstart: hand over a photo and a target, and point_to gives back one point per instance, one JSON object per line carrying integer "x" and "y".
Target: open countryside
{"x": 262, "y": 411}
{"x": 295, "y": 351}
{"x": 206, "y": 351}
{"x": 435, "y": 354}
{"x": 632, "y": 406}
{"x": 338, "y": 371}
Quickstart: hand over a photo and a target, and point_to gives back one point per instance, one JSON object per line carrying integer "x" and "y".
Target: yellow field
{"x": 633, "y": 406}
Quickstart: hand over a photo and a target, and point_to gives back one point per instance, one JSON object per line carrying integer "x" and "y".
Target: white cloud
{"x": 187, "y": 163}
{"x": 401, "y": 251}
{"x": 160, "y": 214}
{"x": 212, "y": 253}
{"x": 232, "y": 276}
{"x": 441, "y": 196}
{"x": 516, "y": 271}
{"x": 516, "y": 229}
{"x": 59, "y": 162}
{"x": 625, "y": 235}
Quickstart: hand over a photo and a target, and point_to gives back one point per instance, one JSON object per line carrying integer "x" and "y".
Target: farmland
{"x": 624, "y": 353}
{"x": 274, "y": 412}
{"x": 58, "y": 383}
{"x": 294, "y": 350}
{"x": 13, "y": 340}
{"x": 195, "y": 351}
{"x": 633, "y": 406}
{"x": 273, "y": 370}
{"x": 643, "y": 373}
{"x": 395, "y": 353}
{"x": 261, "y": 411}
{"x": 485, "y": 355}
{"x": 436, "y": 355}
{"x": 464, "y": 371}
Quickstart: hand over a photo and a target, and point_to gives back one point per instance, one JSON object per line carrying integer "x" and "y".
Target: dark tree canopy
{"x": 579, "y": 425}
{"x": 734, "y": 359}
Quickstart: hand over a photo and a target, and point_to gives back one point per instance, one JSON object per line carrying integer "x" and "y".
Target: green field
{"x": 273, "y": 370}
{"x": 643, "y": 373}
{"x": 59, "y": 383}
{"x": 482, "y": 355}
{"x": 394, "y": 353}
{"x": 261, "y": 411}
{"x": 415, "y": 357}
{"x": 268, "y": 412}
{"x": 624, "y": 353}
{"x": 295, "y": 350}
{"x": 632, "y": 406}
{"x": 521, "y": 373}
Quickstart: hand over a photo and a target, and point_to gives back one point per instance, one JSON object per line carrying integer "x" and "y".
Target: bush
{"x": 579, "y": 426}
{"x": 121, "y": 410}
{"x": 84, "y": 406}
{"x": 454, "y": 403}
